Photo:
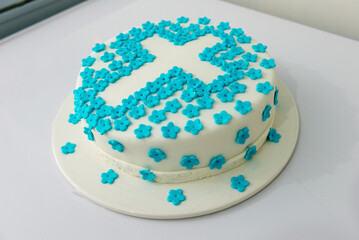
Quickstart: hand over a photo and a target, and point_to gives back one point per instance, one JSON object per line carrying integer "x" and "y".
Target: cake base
{"x": 134, "y": 196}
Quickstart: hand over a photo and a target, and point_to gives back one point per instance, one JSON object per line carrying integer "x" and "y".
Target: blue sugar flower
{"x": 106, "y": 57}
{"x": 175, "y": 27}
{"x": 100, "y": 86}
{"x": 189, "y": 161}
{"x": 275, "y": 100}
{"x": 125, "y": 71}
{"x": 254, "y": 73}
{"x": 104, "y": 111}
{"x": 244, "y": 39}
{"x": 143, "y": 131}
{"x": 205, "y": 102}
{"x": 264, "y": 88}
{"x": 164, "y": 92}
{"x": 137, "y": 111}
{"x": 128, "y": 57}
{"x": 188, "y": 95}
{"x": 236, "y": 32}
{"x": 226, "y": 78}
{"x": 87, "y": 62}
{"x": 217, "y": 162}
{"x": 122, "y": 36}
{"x": 151, "y": 101}
{"x": 122, "y": 124}
{"x": 115, "y": 65}
{"x": 148, "y": 25}
{"x": 148, "y": 58}
{"x": 243, "y": 107}
{"x": 87, "y": 72}
{"x": 68, "y": 148}
{"x": 135, "y": 64}
{"x": 89, "y": 82}
{"x": 170, "y": 131}
{"x": 239, "y": 183}
{"x": 134, "y": 31}
{"x": 223, "y": 26}
{"x": 176, "y": 85}
{"x": 129, "y": 102}
{"x": 191, "y": 111}
{"x": 118, "y": 111}
{"x": 194, "y": 83}
{"x": 116, "y": 145}
{"x": 225, "y": 95}
{"x": 268, "y": 63}
{"x": 173, "y": 106}
{"x": 193, "y": 126}
{"x": 99, "y": 47}
{"x": 157, "y": 154}
{"x": 147, "y": 175}
{"x": 163, "y": 79}
{"x": 273, "y": 136}
{"x": 142, "y": 94}
{"x": 216, "y": 86}
{"x": 266, "y": 113}
{"x": 104, "y": 125}
{"x": 204, "y": 20}
{"x": 182, "y": 19}
{"x": 101, "y": 73}
{"x": 176, "y": 196}
{"x": 89, "y": 134}
{"x": 84, "y": 111}
{"x": 259, "y": 47}
{"x": 250, "y": 152}
{"x": 242, "y": 135}
{"x": 203, "y": 90}
{"x": 236, "y": 75}
{"x": 74, "y": 118}
{"x": 241, "y": 64}
{"x": 112, "y": 77}
{"x": 222, "y": 118}
{"x": 164, "y": 23}
{"x": 157, "y": 116}
{"x": 237, "y": 87}
{"x": 174, "y": 72}
{"x": 249, "y": 57}
{"x": 217, "y": 61}
{"x": 92, "y": 120}
{"x": 109, "y": 177}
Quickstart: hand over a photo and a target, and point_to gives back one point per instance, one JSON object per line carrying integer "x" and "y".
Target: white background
{"x": 315, "y": 197}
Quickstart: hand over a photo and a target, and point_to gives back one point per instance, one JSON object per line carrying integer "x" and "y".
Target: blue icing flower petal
{"x": 74, "y": 118}
{"x": 267, "y": 63}
{"x": 275, "y": 100}
{"x": 122, "y": 124}
{"x": 264, "y": 88}
{"x": 243, "y": 107}
{"x": 273, "y": 136}
{"x": 244, "y": 39}
{"x": 109, "y": 177}
{"x": 205, "y": 102}
{"x": 87, "y": 62}
{"x": 259, "y": 48}
{"x": 242, "y": 135}
{"x": 217, "y": 162}
{"x": 106, "y": 57}
{"x": 157, "y": 154}
{"x": 250, "y": 152}
{"x": 222, "y": 118}
{"x": 104, "y": 125}
{"x": 116, "y": 145}
{"x": 266, "y": 113}
{"x": 143, "y": 131}
{"x": 188, "y": 95}
{"x": 176, "y": 196}
{"x": 92, "y": 120}
{"x": 137, "y": 112}
{"x": 249, "y": 57}
{"x": 170, "y": 131}
{"x": 237, "y": 87}
{"x": 189, "y": 161}
{"x": 118, "y": 112}
{"x": 99, "y": 47}
{"x": 147, "y": 175}
{"x": 193, "y": 127}
{"x": 152, "y": 101}
{"x": 89, "y": 134}
{"x": 157, "y": 116}
{"x": 191, "y": 111}
{"x": 173, "y": 106}
{"x": 254, "y": 73}
{"x": 223, "y": 26}
{"x": 225, "y": 96}
{"x": 239, "y": 183}
{"x": 182, "y": 19}
{"x": 68, "y": 148}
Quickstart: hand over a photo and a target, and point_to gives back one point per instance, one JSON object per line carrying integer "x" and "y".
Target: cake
{"x": 177, "y": 101}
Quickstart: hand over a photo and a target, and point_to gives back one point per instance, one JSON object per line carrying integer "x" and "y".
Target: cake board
{"x": 133, "y": 196}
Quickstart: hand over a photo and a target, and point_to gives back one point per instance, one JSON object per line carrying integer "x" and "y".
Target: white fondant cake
{"x": 191, "y": 48}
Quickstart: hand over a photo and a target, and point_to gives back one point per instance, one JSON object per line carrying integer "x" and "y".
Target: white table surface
{"x": 315, "y": 197}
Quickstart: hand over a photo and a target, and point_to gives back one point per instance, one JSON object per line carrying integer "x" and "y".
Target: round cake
{"x": 177, "y": 101}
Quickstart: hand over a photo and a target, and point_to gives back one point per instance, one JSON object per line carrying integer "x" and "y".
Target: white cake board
{"x": 136, "y": 197}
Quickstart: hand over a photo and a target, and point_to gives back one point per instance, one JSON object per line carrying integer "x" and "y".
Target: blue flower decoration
{"x": 87, "y": 73}
{"x": 273, "y": 136}
{"x": 189, "y": 161}
{"x": 116, "y": 145}
{"x": 157, "y": 116}
{"x": 143, "y": 131}
{"x": 74, "y": 118}
{"x": 225, "y": 95}
{"x": 204, "y": 20}
{"x": 193, "y": 126}
{"x": 217, "y": 162}
{"x": 259, "y": 47}
{"x": 109, "y": 177}
{"x": 106, "y": 57}
{"x": 249, "y": 57}
{"x": 92, "y": 120}
{"x": 243, "y": 107}
{"x": 236, "y": 32}
{"x": 223, "y": 26}
{"x": 137, "y": 112}
{"x": 104, "y": 125}
{"x": 165, "y": 92}
{"x": 254, "y": 73}
{"x": 268, "y": 63}
{"x": 101, "y": 73}
{"x": 205, "y": 102}
{"x": 275, "y": 100}
{"x": 173, "y": 106}
{"x": 129, "y": 102}
{"x": 170, "y": 131}
{"x": 264, "y": 88}
{"x": 176, "y": 85}
{"x": 176, "y": 196}
{"x": 68, "y": 148}
{"x": 222, "y": 117}
{"x": 122, "y": 124}
{"x": 237, "y": 87}
{"x": 157, "y": 154}
{"x": 216, "y": 85}
{"x": 244, "y": 39}
{"x": 99, "y": 47}
{"x": 89, "y": 134}
{"x": 250, "y": 152}
{"x": 104, "y": 111}
{"x": 152, "y": 101}
{"x": 241, "y": 64}
{"x": 147, "y": 175}
{"x": 188, "y": 95}
{"x": 203, "y": 90}
{"x": 239, "y": 183}
{"x": 191, "y": 111}
{"x": 242, "y": 135}
{"x": 115, "y": 65}
{"x": 118, "y": 111}
{"x": 266, "y": 113}
{"x": 87, "y": 62}
{"x": 182, "y": 19}
{"x": 237, "y": 75}
{"x": 100, "y": 86}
